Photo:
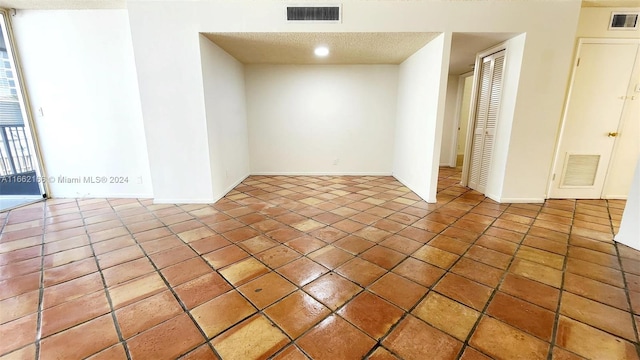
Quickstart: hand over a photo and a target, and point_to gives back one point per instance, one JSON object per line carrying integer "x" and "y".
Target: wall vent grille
{"x": 314, "y": 13}
{"x": 623, "y": 21}
{"x": 580, "y": 170}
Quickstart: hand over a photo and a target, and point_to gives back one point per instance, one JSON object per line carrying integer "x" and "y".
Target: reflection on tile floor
{"x": 321, "y": 268}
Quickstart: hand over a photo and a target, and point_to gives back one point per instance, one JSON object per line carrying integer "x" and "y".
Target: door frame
{"x": 460, "y": 93}
{"x": 28, "y": 113}
{"x": 466, "y": 163}
{"x": 557, "y": 159}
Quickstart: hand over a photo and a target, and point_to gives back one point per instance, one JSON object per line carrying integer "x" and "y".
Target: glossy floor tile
{"x": 345, "y": 267}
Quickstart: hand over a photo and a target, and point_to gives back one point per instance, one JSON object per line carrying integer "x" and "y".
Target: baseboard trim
{"x": 184, "y": 201}
{"x": 294, "y": 173}
{"x": 200, "y": 200}
{"x": 616, "y": 197}
{"x": 518, "y": 200}
{"x": 412, "y": 188}
{"x": 231, "y": 187}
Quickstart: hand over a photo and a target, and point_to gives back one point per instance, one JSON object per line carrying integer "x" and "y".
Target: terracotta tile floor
{"x": 322, "y": 268}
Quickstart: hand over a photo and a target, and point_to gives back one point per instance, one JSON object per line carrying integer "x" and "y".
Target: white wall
{"x": 463, "y": 119}
{"x": 167, "y": 55}
{"x": 225, "y": 104}
{"x": 530, "y": 151}
{"x": 420, "y": 117}
{"x": 594, "y": 23}
{"x": 168, "y": 30}
{"x": 629, "y": 233}
{"x": 79, "y": 69}
{"x": 450, "y": 127}
{"x": 321, "y": 119}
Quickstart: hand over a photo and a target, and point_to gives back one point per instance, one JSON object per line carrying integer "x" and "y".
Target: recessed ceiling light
{"x": 321, "y": 51}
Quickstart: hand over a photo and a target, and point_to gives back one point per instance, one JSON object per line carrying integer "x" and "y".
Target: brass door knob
{"x": 612, "y": 134}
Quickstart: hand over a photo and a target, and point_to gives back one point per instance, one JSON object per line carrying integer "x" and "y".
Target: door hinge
{"x": 553, "y": 178}
{"x": 578, "y": 63}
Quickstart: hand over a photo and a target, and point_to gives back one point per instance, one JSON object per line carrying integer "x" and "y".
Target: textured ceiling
{"x": 297, "y": 48}
{"x": 350, "y": 48}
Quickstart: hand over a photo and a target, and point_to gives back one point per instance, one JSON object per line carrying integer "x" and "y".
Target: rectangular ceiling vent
{"x": 623, "y": 21}
{"x": 326, "y": 13}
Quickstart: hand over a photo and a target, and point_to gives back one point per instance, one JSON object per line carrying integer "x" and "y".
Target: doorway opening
{"x": 456, "y": 142}
{"x": 465, "y": 87}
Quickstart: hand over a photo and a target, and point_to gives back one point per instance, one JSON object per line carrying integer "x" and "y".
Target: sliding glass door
{"x": 20, "y": 175}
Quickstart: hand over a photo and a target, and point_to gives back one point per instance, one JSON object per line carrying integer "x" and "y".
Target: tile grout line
{"x": 494, "y": 291}
{"x": 292, "y": 341}
{"x": 636, "y": 345}
{"x": 430, "y": 288}
{"x": 42, "y": 269}
{"x": 300, "y": 288}
{"x": 166, "y": 282}
{"x": 5, "y": 221}
{"x": 41, "y": 287}
{"x": 105, "y": 289}
{"x": 252, "y": 255}
{"x": 628, "y": 297}
{"x": 408, "y": 312}
{"x": 233, "y": 287}
{"x": 36, "y": 341}
{"x": 565, "y": 260}
{"x": 378, "y": 342}
{"x": 626, "y": 286}
{"x": 331, "y": 271}
{"x": 447, "y": 271}
{"x": 236, "y": 288}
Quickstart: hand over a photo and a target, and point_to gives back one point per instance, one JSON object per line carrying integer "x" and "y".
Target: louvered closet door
{"x": 486, "y": 117}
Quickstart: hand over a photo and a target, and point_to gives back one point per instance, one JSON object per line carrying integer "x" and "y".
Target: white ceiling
{"x": 297, "y": 47}
{"x": 365, "y": 48}
{"x": 63, "y": 4}
{"x": 465, "y": 46}
{"x": 121, "y": 4}
{"x": 611, "y": 3}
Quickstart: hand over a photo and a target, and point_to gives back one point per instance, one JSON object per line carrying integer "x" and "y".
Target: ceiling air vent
{"x": 329, "y": 13}
{"x": 623, "y": 21}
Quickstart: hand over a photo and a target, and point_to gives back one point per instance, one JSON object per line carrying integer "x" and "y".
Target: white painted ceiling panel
{"x": 120, "y": 4}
